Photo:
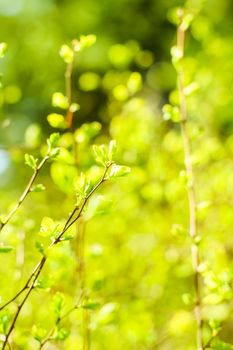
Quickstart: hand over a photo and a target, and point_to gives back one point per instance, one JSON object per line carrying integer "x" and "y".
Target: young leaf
{"x": 53, "y": 140}
{"x": 119, "y": 170}
{"x": 39, "y": 247}
{"x": 61, "y": 334}
{"x": 48, "y": 227}
{"x": 38, "y": 188}
{"x": 56, "y": 120}
{"x": 171, "y": 113}
{"x": 4, "y": 322}
{"x": 30, "y": 161}
{"x": 54, "y": 153}
{"x": 5, "y": 248}
{"x": 101, "y": 154}
{"x": 74, "y": 107}
{"x": 66, "y": 54}
{"x": 87, "y": 41}
{"x": 38, "y": 333}
{"x": 91, "y": 305}
{"x": 3, "y": 48}
{"x": 112, "y": 148}
{"x": 58, "y": 303}
{"x": 59, "y": 100}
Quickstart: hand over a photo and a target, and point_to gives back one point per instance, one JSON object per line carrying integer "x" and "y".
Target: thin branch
{"x": 20, "y": 306}
{"x": 50, "y": 335}
{"x": 25, "y": 192}
{"x": 191, "y": 194}
{"x": 26, "y": 286}
{"x": 39, "y": 267}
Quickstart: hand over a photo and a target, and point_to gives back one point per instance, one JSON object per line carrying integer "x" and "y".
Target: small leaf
{"x": 66, "y": 54}
{"x": 82, "y": 186}
{"x": 112, "y": 148}
{"x": 5, "y": 248}
{"x": 30, "y": 161}
{"x": 4, "y": 322}
{"x": 54, "y": 153}
{"x": 53, "y": 140}
{"x": 119, "y": 170}
{"x": 101, "y": 154}
{"x": 56, "y": 120}
{"x": 87, "y": 41}
{"x": 58, "y": 303}
{"x": 48, "y": 227}
{"x": 38, "y": 188}
{"x": 61, "y": 334}
{"x": 171, "y": 113}
{"x": 177, "y": 55}
{"x": 3, "y": 49}
{"x": 91, "y": 305}
{"x": 39, "y": 247}
{"x": 74, "y": 107}
{"x": 38, "y": 333}
{"x": 59, "y": 100}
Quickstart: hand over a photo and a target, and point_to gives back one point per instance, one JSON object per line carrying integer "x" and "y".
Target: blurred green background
{"x": 137, "y": 255}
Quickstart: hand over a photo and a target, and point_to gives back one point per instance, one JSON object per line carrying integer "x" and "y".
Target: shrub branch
{"x": 25, "y": 192}
{"x": 31, "y": 283}
{"x": 191, "y": 192}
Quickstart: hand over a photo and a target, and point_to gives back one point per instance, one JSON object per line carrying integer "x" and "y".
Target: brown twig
{"x": 25, "y": 192}
{"x": 191, "y": 193}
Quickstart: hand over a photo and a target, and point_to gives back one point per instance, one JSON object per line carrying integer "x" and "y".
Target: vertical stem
{"x": 68, "y": 82}
{"x": 191, "y": 195}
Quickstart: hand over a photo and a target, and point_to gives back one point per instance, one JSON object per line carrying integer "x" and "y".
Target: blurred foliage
{"x": 130, "y": 252}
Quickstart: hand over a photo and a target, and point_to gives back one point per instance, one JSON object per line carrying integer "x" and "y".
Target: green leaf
{"x": 64, "y": 176}
{"x": 30, "y": 161}
{"x": 91, "y": 305}
{"x": 54, "y": 153}
{"x": 119, "y": 170}
{"x": 220, "y": 345}
{"x": 59, "y": 100}
{"x": 39, "y": 247}
{"x": 58, "y": 303}
{"x": 48, "y": 227}
{"x": 5, "y": 248}
{"x": 101, "y": 154}
{"x": 3, "y": 49}
{"x": 66, "y": 54}
{"x": 4, "y": 322}
{"x": 74, "y": 107}
{"x": 171, "y": 113}
{"x": 107, "y": 313}
{"x": 82, "y": 186}
{"x": 177, "y": 55}
{"x": 38, "y": 332}
{"x": 112, "y": 148}
{"x": 87, "y": 131}
{"x": 38, "y": 188}
{"x": 56, "y": 120}
{"x": 61, "y": 334}
{"x": 84, "y": 42}
{"x": 53, "y": 140}
{"x": 97, "y": 206}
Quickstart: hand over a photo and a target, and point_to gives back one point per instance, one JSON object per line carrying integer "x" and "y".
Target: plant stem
{"x": 39, "y": 267}
{"x": 191, "y": 194}
{"x": 25, "y": 192}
